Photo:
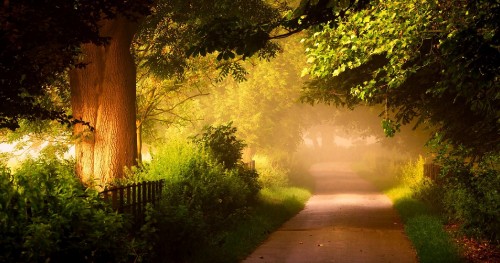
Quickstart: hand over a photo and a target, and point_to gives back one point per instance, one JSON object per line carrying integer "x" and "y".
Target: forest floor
{"x": 346, "y": 220}
{"x": 475, "y": 250}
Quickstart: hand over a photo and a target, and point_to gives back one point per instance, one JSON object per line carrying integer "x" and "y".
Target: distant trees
{"x": 265, "y": 108}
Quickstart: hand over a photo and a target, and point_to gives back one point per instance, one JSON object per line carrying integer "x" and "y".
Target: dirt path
{"x": 347, "y": 220}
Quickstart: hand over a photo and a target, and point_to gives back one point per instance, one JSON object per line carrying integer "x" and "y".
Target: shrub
{"x": 412, "y": 174}
{"x": 222, "y": 144}
{"x": 270, "y": 174}
{"x": 473, "y": 198}
{"x": 200, "y": 198}
{"x": 422, "y": 188}
{"x": 47, "y": 215}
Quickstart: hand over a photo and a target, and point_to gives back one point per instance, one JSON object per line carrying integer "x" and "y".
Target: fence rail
{"x": 132, "y": 198}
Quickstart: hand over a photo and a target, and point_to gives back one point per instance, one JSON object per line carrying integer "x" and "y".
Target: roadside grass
{"x": 423, "y": 226}
{"x": 273, "y": 208}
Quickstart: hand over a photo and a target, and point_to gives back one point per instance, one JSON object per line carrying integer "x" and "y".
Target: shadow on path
{"x": 346, "y": 220}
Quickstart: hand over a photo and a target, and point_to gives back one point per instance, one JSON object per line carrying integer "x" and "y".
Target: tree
{"x": 164, "y": 102}
{"x": 431, "y": 61}
{"x": 264, "y": 107}
{"x": 103, "y": 78}
{"x": 103, "y": 94}
{"x": 39, "y": 41}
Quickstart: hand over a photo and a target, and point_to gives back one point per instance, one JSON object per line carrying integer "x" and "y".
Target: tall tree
{"x": 41, "y": 40}
{"x": 103, "y": 94}
{"x": 103, "y": 82}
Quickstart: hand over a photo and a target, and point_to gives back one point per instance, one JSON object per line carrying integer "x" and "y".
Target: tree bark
{"x": 103, "y": 94}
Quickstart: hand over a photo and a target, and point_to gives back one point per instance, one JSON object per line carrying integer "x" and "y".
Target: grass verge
{"x": 423, "y": 227}
{"x": 274, "y": 207}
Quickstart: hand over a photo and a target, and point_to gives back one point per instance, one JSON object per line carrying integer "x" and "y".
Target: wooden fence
{"x": 432, "y": 171}
{"x": 132, "y": 198}
{"x": 251, "y": 164}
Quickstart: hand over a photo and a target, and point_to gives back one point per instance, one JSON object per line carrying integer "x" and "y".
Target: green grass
{"x": 274, "y": 207}
{"x": 422, "y": 226}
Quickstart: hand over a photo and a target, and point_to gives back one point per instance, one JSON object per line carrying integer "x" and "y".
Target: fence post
{"x": 134, "y": 200}
{"x": 432, "y": 171}
{"x": 134, "y": 197}
{"x": 154, "y": 186}
{"x": 150, "y": 191}
{"x": 144, "y": 198}
{"x": 106, "y": 194}
{"x": 114, "y": 201}
{"x": 128, "y": 201}
{"x": 121, "y": 200}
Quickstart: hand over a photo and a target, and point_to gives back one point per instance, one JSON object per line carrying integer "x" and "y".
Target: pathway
{"x": 346, "y": 220}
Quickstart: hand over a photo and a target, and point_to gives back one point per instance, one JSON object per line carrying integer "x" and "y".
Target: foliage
{"x": 433, "y": 61}
{"x": 265, "y": 107}
{"x": 232, "y": 37}
{"x": 222, "y": 144}
{"x": 271, "y": 175}
{"x": 40, "y": 41}
{"x": 273, "y": 207}
{"x": 47, "y": 215}
{"x": 472, "y": 196}
{"x": 464, "y": 193}
{"x": 201, "y": 195}
{"x": 164, "y": 41}
{"x": 431, "y": 240}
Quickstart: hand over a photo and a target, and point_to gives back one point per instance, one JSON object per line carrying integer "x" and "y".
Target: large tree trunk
{"x": 103, "y": 94}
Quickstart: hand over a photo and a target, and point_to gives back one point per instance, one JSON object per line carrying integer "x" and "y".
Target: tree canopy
{"x": 434, "y": 61}
{"x": 39, "y": 41}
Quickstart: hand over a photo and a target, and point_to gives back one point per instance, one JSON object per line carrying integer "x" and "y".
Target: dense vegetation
{"x": 46, "y": 214}
{"x": 210, "y": 198}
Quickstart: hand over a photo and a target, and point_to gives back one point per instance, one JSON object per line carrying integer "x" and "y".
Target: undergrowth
{"x": 213, "y": 208}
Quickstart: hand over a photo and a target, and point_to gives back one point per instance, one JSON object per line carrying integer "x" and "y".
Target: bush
{"x": 422, "y": 188}
{"x": 473, "y": 198}
{"x": 222, "y": 144}
{"x": 200, "y": 198}
{"x": 412, "y": 174}
{"x": 270, "y": 174}
{"x": 47, "y": 215}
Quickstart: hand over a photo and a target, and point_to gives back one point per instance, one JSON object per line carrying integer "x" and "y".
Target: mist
{"x": 356, "y": 138}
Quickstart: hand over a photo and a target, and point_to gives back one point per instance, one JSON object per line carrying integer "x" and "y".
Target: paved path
{"x": 346, "y": 220}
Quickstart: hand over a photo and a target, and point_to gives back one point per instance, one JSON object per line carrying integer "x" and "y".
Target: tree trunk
{"x": 138, "y": 125}
{"x": 103, "y": 94}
